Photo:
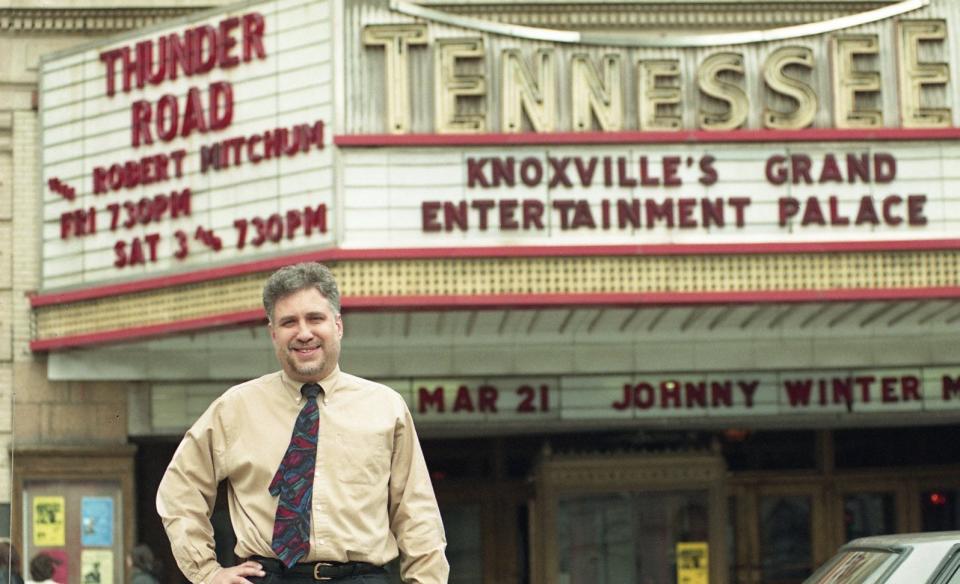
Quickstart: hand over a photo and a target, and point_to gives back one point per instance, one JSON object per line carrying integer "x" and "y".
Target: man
{"x": 327, "y": 485}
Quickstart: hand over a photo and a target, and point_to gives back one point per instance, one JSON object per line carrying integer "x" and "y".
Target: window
{"x": 4, "y": 520}
{"x": 939, "y": 510}
{"x": 785, "y": 537}
{"x": 950, "y": 574}
{"x": 854, "y": 567}
{"x": 868, "y": 514}
{"x": 955, "y": 578}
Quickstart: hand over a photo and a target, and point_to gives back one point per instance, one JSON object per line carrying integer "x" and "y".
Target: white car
{"x": 913, "y": 558}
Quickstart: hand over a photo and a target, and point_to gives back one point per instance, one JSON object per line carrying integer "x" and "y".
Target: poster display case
{"x": 76, "y": 506}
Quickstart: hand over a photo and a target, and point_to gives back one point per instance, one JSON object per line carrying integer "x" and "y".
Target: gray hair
{"x": 290, "y": 279}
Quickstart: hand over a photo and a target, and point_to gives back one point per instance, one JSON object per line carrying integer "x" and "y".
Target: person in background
{"x": 142, "y": 565}
{"x": 9, "y": 564}
{"x": 42, "y": 567}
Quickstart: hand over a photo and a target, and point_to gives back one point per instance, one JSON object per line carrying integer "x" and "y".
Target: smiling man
{"x": 326, "y": 481}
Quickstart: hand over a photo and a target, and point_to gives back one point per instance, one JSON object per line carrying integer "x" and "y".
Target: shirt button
{"x": 321, "y": 542}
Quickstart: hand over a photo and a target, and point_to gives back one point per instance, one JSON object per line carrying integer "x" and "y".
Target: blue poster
{"x": 97, "y": 524}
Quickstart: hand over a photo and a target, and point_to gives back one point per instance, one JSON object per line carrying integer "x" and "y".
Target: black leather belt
{"x": 320, "y": 571}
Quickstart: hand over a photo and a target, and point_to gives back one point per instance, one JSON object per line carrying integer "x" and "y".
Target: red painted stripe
{"x": 510, "y": 301}
{"x": 693, "y": 136}
{"x": 204, "y": 275}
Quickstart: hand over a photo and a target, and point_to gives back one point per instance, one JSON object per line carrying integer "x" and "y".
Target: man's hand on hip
{"x": 238, "y": 574}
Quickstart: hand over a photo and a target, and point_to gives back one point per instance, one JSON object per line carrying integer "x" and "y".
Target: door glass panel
{"x": 464, "y": 546}
{"x": 627, "y": 538}
{"x": 869, "y": 514}
{"x": 786, "y": 555}
{"x": 939, "y": 510}
{"x": 461, "y": 523}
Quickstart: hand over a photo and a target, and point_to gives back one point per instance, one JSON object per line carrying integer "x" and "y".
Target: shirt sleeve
{"x": 414, "y": 515}
{"x": 187, "y": 494}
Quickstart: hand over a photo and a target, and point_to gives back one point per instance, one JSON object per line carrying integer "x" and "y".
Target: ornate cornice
{"x": 565, "y": 15}
{"x": 692, "y": 468}
{"x": 660, "y": 15}
{"x": 81, "y": 20}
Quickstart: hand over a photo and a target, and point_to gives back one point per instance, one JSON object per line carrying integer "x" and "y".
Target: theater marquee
{"x": 288, "y": 127}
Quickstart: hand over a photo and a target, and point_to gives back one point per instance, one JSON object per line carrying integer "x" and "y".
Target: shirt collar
{"x": 330, "y": 384}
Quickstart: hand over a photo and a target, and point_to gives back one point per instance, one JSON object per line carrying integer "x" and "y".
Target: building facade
{"x": 671, "y": 289}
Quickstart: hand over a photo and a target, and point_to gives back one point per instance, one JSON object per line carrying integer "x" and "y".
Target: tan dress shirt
{"x": 372, "y": 496}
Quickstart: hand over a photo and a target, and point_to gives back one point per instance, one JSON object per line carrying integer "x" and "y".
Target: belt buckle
{"x": 316, "y": 571}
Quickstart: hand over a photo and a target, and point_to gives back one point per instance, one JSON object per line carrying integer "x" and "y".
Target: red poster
{"x": 61, "y": 571}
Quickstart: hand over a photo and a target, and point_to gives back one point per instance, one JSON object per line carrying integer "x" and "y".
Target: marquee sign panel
{"x": 753, "y": 395}
{"x": 752, "y": 398}
{"x": 651, "y": 194}
{"x": 189, "y": 145}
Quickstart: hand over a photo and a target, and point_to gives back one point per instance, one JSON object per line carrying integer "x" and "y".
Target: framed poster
{"x": 49, "y": 528}
{"x": 96, "y": 521}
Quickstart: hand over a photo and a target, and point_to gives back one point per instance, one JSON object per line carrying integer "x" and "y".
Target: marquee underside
{"x": 503, "y": 283}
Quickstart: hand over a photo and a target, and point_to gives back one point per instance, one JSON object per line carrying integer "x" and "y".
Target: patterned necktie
{"x": 293, "y": 482}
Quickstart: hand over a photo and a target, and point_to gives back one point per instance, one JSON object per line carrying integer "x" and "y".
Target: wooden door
{"x": 619, "y": 518}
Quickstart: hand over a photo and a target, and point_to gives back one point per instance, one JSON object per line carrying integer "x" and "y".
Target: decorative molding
{"x": 633, "y": 137}
{"x": 432, "y": 283}
{"x": 86, "y": 20}
{"x": 669, "y": 35}
{"x": 646, "y": 476}
{"x": 659, "y": 15}
{"x": 650, "y": 469}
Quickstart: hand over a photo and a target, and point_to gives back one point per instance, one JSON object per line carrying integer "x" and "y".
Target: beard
{"x": 312, "y": 370}
{"x": 305, "y": 369}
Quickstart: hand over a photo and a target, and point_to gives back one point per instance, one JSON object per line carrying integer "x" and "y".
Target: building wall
{"x": 35, "y": 412}
{"x": 6, "y": 302}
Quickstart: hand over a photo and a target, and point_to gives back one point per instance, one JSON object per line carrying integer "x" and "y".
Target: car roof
{"x": 934, "y": 537}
